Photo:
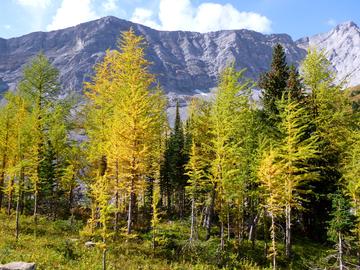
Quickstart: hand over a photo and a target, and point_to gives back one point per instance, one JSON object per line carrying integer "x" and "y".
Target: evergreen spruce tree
{"x": 174, "y": 178}
{"x": 294, "y": 86}
{"x": 274, "y": 83}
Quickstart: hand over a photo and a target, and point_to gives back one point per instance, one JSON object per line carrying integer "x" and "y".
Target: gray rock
{"x": 342, "y": 48}
{"x": 90, "y": 244}
{"x": 18, "y": 266}
{"x": 183, "y": 61}
{"x": 187, "y": 64}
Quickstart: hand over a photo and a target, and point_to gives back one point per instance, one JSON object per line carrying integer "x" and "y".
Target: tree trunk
{"x": 116, "y": 222}
{"x": 10, "y": 199}
{"x": 193, "y": 220}
{"x": 3, "y": 165}
{"x": 17, "y": 216}
{"x": 168, "y": 197}
{"x": 104, "y": 259}
{"x": 210, "y": 213}
{"x": 22, "y": 203}
{"x": 71, "y": 199}
{"x": 288, "y": 231}
{"x": 222, "y": 240}
{"x": 265, "y": 235}
{"x": 35, "y": 206}
{"x": 273, "y": 241}
{"x": 228, "y": 224}
{"x": 116, "y": 198}
{"x": 253, "y": 228}
{"x": 19, "y": 194}
{"x": 130, "y": 209}
{"x": 341, "y": 263}
{"x": 2, "y": 179}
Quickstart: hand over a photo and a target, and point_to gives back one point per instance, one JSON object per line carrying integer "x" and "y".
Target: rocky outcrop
{"x": 342, "y": 48}
{"x": 183, "y": 61}
{"x": 186, "y": 63}
{"x": 18, "y": 266}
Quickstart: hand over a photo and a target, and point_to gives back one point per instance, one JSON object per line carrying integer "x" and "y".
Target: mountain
{"x": 342, "y": 47}
{"x": 183, "y": 61}
{"x": 186, "y": 63}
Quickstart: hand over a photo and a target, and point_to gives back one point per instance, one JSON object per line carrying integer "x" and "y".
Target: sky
{"x": 298, "y": 18}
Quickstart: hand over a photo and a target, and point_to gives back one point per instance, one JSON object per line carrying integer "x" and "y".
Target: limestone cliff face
{"x": 186, "y": 63}
{"x": 342, "y": 47}
{"x": 183, "y": 61}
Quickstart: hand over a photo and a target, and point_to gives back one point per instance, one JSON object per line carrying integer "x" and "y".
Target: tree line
{"x": 238, "y": 168}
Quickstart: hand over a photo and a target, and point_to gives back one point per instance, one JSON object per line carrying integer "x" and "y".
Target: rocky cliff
{"x": 183, "y": 61}
{"x": 342, "y": 47}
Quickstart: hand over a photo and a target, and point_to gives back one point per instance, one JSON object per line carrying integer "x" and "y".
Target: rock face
{"x": 183, "y": 61}
{"x": 342, "y": 47}
{"x": 18, "y": 266}
{"x": 186, "y": 63}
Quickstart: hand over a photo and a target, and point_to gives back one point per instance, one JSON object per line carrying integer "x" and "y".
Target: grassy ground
{"x": 56, "y": 245}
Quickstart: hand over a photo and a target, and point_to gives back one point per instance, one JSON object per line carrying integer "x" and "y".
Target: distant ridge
{"x": 186, "y": 63}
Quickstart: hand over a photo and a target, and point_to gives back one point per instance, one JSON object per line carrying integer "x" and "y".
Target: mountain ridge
{"x": 185, "y": 62}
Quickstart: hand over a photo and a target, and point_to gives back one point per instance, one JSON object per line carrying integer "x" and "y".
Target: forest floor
{"x": 57, "y": 245}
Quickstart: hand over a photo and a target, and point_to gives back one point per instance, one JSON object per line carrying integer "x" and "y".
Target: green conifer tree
{"x": 274, "y": 83}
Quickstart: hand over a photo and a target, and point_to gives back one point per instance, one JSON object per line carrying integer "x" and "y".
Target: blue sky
{"x": 298, "y": 18}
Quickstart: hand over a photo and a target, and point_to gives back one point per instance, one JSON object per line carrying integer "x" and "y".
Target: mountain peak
{"x": 346, "y": 26}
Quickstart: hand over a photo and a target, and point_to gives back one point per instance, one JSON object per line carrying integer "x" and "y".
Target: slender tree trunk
{"x": 130, "y": 209}
{"x": 182, "y": 202}
{"x": 22, "y": 203}
{"x": 116, "y": 198}
{"x": 18, "y": 202}
{"x": 104, "y": 259}
{"x": 265, "y": 235}
{"x": 10, "y": 199}
{"x": 193, "y": 220}
{"x": 2, "y": 179}
{"x": 17, "y": 228}
{"x": 116, "y": 222}
{"x": 288, "y": 231}
{"x": 253, "y": 228}
{"x": 168, "y": 197}
{"x": 240, "y": 224}
{"x": 71, "y": 199}
{"x": 222, "y": 240}
{"x": 341, "y": 263}
{"x": 228, "y": 224}
{"x": 35, "y": 206}
{"x": 273, "y": 241}
{"x": 3, "y": 165}
{"x": 210, "y": 213}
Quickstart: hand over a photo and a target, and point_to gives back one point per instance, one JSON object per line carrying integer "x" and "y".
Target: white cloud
{"x": 34, "y": 3}
{"x": 71, "y": 13}
{"x": 109, "y": 5}
{"x": 331, "y": 22}
{"x": 144, "y": 16}
{"x": 182, "y": 15}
